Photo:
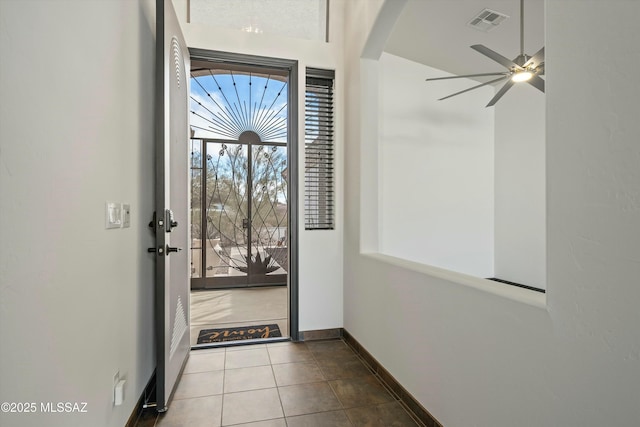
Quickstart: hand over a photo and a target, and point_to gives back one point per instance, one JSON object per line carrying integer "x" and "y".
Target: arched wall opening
{"x": 460, "y": 187}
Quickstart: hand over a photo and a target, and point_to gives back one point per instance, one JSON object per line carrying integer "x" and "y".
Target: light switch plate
{"x": 126, "y": 215}
{"x": 113, "y": 215}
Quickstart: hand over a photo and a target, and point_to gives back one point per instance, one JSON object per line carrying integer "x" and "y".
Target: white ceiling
{"x": 435, "y": 33}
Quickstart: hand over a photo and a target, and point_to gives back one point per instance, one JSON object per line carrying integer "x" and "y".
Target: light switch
{"x": 113, "y": 215}
{"x": 126, "y": 215}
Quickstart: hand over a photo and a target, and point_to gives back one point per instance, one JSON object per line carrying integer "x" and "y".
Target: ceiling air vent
{"x": 487, "y": 20}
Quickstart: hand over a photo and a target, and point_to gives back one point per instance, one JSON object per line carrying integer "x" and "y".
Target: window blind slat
{"x": 319, "y": 184}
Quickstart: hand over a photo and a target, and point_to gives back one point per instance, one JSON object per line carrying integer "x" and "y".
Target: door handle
{"x": 170, "y": 223}
{"x": 161, "y": 251}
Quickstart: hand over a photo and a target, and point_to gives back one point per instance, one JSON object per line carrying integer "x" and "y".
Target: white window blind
{"x": 319, "y": 182}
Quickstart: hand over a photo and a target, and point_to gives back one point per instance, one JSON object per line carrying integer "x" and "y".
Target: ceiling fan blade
{"x": 536, "y": 59}
{"x": 537, "y": 82}
{"x": 474, "y": 87}
{"x": 506, "y": 62}
{"x": 501, "y": 92}
{"x": 504, "y": 73}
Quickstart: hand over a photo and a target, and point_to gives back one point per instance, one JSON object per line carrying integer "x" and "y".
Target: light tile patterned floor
{"x": 239, "y": 307}
{"x": 317, "y": 383}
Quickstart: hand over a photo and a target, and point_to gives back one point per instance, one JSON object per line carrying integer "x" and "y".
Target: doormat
{"x": 238, "y": 333}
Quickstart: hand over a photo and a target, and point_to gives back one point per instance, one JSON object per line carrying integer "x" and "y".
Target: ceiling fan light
{"x": 521, "y": 76}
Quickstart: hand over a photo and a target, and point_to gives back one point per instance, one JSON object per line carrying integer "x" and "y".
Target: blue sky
{"x": 255, "y": 103}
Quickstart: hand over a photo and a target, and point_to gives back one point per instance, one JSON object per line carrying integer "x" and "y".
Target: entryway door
{"x": 170, "y": 221}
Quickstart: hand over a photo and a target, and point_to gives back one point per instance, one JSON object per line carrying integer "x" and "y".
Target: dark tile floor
{"x": 317, "y": 383}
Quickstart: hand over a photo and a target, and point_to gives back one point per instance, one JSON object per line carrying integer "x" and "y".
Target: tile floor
{"x": 317, "y": 383}
{"x": 239, "y": 307}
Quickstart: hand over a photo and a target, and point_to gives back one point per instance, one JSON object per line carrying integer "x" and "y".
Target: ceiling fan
{"x": 523, "y": 68}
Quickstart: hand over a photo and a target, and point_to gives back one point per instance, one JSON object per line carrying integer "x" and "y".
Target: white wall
{"x": 472, "y": 354}
{"x": 76, "y": 130}
{"x": 320, "y": 279}
{"x": 520, "y": 225}
{"x": 441, "y": 209}
{"x": 436, "y": 169}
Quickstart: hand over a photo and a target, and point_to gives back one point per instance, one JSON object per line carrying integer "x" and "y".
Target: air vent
{"x": 179, "y": 328}
{"x": 177, "y": 58}
{"x": 487, "y": 20}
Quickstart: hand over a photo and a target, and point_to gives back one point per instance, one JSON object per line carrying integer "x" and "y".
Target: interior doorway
{"x": 242, "y": 199}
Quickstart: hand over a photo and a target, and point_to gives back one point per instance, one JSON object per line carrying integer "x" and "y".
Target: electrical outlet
{"x": 116, "y": 380}
{"x": 118, "y": 393}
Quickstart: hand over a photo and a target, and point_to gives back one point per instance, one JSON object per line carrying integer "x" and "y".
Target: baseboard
{"x": 405, "y": 398}
{"x": 520, "y": 285}
{"x": 320, "y": 334}
{"x": 148, "y": 395}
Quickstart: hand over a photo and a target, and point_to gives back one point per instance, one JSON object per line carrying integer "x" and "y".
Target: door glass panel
{"x": 269, "y": 210}
{"x": 226, "y": 207}
{"x": 196, "y": 211}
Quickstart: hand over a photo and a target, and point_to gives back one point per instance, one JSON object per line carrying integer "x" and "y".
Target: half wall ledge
{"x": 529, "y": 297}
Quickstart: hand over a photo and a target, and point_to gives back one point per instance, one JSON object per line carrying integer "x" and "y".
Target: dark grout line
{"x": 224, "y": 376}
{"x": 276, "y": 384}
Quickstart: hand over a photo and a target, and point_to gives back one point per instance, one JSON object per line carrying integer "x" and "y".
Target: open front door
{"x": 172, "y": 190}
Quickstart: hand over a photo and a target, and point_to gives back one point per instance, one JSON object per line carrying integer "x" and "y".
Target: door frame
{"x": 292, "y": 160}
